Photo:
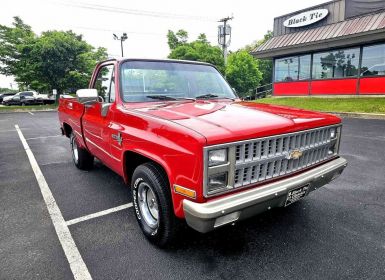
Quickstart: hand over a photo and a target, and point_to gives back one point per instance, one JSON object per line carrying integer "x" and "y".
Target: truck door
{"x": 97, "y": 117}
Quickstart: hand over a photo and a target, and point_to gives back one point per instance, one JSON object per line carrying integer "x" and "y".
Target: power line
{"x": 134, "y": 12}
{"x": 122, "y": 30}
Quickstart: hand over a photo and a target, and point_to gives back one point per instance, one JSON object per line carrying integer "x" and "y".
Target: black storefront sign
{"x": 360, "y": 7}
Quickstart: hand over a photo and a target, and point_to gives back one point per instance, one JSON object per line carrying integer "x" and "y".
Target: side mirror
{"x": 87, "y": 96}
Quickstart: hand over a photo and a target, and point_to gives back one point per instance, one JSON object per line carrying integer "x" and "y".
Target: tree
{"x": 177, "y": 39}
{"x": 13, "y": 41}
{"x": 55, "y": 60}
{"x": 62, "y": 60}
{"x": 242, "y": 72}
{"x": 264, "y": 65}
{"x": 198, "y": 50}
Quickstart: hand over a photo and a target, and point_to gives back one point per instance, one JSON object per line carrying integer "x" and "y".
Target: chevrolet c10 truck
{"x": 191, "y": 150}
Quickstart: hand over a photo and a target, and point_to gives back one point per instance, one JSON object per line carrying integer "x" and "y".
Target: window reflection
{"x": 292, "y": 68}
{"x": 336, "y": 64}
{"x": 373, "y": 60}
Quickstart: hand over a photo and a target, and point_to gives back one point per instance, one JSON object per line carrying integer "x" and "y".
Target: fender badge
{"x": 118, "y": 137}
{"x": 294, "y": 154}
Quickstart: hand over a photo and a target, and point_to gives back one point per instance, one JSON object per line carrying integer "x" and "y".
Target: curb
{"x": 359, "y": 115}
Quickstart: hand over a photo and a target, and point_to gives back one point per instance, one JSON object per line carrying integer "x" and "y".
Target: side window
{"x": 105, "y": 83}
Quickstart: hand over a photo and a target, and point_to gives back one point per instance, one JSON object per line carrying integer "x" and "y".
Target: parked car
{"x": 191, "y": 149}
{"x": 2, "y": 95}
{"x": 23, "y": 98}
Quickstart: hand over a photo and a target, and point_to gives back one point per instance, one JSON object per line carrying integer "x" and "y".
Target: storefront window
{"x": 293, "y": 68}
{"x": 373, "y": 61}
{"x": 336, "y": 64}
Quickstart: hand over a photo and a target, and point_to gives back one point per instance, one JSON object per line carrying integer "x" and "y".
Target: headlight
{"x": 217, "y": 157}
{"x": 334, "y": 135}
{"x": 217, "y": 182}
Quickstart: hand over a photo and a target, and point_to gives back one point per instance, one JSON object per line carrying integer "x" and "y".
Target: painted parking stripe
{"x": 98, "y": 214}
{"x": 31, "y": 113}
{"x": 75, "y": 260}
{"x": 42, "y": 137}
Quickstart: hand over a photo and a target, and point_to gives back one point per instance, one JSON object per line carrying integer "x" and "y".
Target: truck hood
{"x": 224, "y": 121}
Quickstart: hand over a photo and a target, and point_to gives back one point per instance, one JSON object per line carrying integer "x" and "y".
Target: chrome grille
{"x": 262, "y": 159}
{"x": 256, "y": 160}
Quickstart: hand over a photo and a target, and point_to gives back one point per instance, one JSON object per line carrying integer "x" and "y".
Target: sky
{"x": 146, "y": 22}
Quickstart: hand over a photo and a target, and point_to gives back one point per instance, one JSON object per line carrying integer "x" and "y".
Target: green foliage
{"x": 7, "y": 90}
{"x": 59, "y": 60}
{"x": 177, "y": 39}
{"x": 242, "y": 72}
{"x": 264, "y": 65}
{"x": 198, "y": 50}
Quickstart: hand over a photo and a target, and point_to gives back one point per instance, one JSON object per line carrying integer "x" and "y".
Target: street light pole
{"x": 121, "y": 39}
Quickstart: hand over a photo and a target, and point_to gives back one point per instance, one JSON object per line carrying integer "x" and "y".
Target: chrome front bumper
{"x": 205, "y": 217}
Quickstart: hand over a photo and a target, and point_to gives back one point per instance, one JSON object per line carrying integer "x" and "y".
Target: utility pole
{"x": 121, "y": 39}
{"x": 224, "y": 31}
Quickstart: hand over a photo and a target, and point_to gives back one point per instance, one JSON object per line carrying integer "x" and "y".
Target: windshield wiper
{"x": 206, "y": 96}
{"x": 160, "y": 97}
{"x": 210, "y": 95}
{"x": 167, "y": 97}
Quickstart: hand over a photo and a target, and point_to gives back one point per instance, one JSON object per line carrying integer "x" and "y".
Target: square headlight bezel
{"x": 216, "y": 163}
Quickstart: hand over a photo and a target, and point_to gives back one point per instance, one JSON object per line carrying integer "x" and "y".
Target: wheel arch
{"x": 132, "y": 159}
{"x": 67, "y": 129}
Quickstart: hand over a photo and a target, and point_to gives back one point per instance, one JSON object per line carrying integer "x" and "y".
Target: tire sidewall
{"x": 74, "y": 140}
{"x": 151, "y": 233}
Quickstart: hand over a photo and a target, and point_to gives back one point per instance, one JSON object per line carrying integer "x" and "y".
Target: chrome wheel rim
{"x": 75, "y": 152}
{"x": 148, "y": 205}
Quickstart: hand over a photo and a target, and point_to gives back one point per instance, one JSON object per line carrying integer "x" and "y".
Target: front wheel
{"x": 153, "y": 205}
{"x": 81, "y": 157}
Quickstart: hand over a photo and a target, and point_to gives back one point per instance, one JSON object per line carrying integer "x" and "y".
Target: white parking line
{"x": 98, "y": 214}
{"x": 31, "y": 113}
{"x": 75, "y": 260}
{"x": 42, "y": 137}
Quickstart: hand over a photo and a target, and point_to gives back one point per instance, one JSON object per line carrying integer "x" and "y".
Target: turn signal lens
{"x": 185, "y": 191}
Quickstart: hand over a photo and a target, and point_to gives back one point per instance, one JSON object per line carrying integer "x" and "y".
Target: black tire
{"x": 81, "y": 157}
{"x": 164, "y": 232}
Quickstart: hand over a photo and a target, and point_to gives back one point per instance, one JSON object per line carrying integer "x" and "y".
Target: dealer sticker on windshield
{"x": 296, "y": 194}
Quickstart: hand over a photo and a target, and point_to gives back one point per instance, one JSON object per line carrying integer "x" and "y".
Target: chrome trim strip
{"x": 74, "y": 123}
{"x": 104, "y": 151}
{"x": 77, "y": 133}
{"x": 94, "y": 135}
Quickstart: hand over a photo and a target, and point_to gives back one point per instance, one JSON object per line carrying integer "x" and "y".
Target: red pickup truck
{"x": 191, "y": 149}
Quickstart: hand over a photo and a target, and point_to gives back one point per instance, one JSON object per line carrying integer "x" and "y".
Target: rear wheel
{"x": 153, "y": 205}
{"x": 81, "y": 157}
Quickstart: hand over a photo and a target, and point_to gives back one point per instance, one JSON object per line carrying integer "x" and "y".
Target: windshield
{"x": 146, "y": 81}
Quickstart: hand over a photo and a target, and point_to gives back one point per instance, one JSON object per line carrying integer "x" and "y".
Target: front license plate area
{"x": 296, "y": 194}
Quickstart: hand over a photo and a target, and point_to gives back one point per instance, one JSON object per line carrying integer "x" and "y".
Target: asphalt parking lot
{"x": 337, "y": 232}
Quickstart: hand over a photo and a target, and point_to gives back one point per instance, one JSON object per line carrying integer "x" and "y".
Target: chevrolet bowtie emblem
{"x": 294, "y": 154}
{"x": 118, "y": 137}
